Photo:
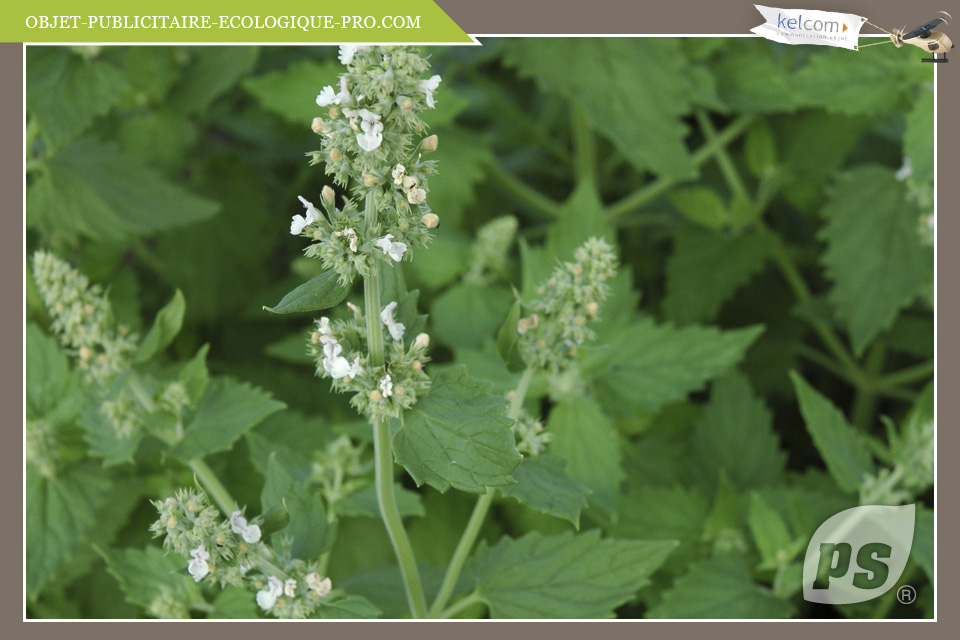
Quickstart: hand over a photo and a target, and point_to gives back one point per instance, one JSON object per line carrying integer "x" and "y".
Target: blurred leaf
{"x": 922, "y": 552}
{"x": 363, "y": 503}
{"x": 322, "y": 292}
{"x": 918, "y": 139}
{"x": 543, "y": 485}
{"x": 234, "y": 603}
{"x": 194, "y": 375}
{"x": 508, "y": 340}
{"x": 770, "y": 533}
{"x": 874, "y": 254}
{"x": 312, "y": 533}
{"x": 151, "y": 576}
{"x": 760, "y": 149}
{"x": 564, "y": 576}
{"x": 843, "y": 448}
{"x": 48, "y": 378}
{"x": 210, "y": 72}
{"x": 352, "y": 607}
{"x": 458, "y": 436}
{"x": 227, "y": 411}
{"x": 700, "y": 205}
{"x": 735, "y": 435}
{"x": 466, "y": 315}
{"x": 165, "y": 328}
{"x": 675, "y": 513}
{"x": 720, "y": 587}
{"x": 751, "y": 80}
{"x": 67, "y": 91}
{"x": 464, "y": 156}
{"x": 291, "y": 92}
{"x": 585, "y": 438}
{"x": 109, "y": 196}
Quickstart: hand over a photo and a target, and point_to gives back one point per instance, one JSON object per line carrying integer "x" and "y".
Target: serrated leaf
{"x": 750, "y": 79}
{"x": 109, "y": 194}
{"x": 147, "y": 575}
{"x": 350, "y": 607}
{"x": 706, "y": 269}
{"x": 647, "y": 366}
{"x": 227, "y": 411}
{"x": 312, "y": 533}
{"x": 48, "y": 377}
{"x": 564, "y": 576}
{"x": 720, "y": 587}
{"x": 640, "y": 113}
{"x": 287, "y": 92}
{"x": 363, "y": 503}
{"x": 59, "y": 513}
{"x": 210, "y": 72}
{"x": 322, "y": 292}
{"x": 194, "y": 375}
{"x": 586, "y": 439}
{"x": 843, "y": 449}
{"x": 467, "y": 315}
{"x": 735, "y": 435}
{"x": 676, "y": 513}
{"x": 769, "y": 532}
{"x": 105, "y": 441}
{"x": 874, "y": 255}
{"x": 165, "y": 328}
{"x": 918, "y": 138}
{"x": 544, "y": 485}
{"x": 457, "y": 436}
{"x": 508, "y": 340}
{"x": 67, "y": 91}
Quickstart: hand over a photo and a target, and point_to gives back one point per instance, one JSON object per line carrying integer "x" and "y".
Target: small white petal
{"x": 297, "y": 225}
{"x": 386, "y": 386}
{"x": 266, "y": 600}
{"x": 251, "y": 535}
{"x": 313, "y": 215}
{"x": 324, "y": 587}
{"x": 428, "y": 87}
{"x": 327, "y": 97}
{"x": 290, "y": 587}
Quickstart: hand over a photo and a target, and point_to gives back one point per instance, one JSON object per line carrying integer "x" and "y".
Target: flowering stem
{"x": 383, "y": 453}
{"x": 213, "y": 486}
{"x": 480, "y": 510}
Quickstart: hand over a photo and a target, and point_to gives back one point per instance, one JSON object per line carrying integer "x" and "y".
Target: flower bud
{"x": 526, "y": 324}
{"x": 430, "y": 144}
{"x": 328, "y": 193}
{"x": 592, "y": 309}
{"x": 317, "y": 125}
{"x": 418, "y": 366}
{"x": 336, "y": 155}
{"x": 370, "y": 180}
{"x": 405, "y": 103}
{"x": 85, "y": 353}
{"x": 410, "y": 182}
{"x": 422, "y": 341}
{"x": 375, "y": 396}
{"x": 334, "y": 112}
{"x": 315, "y": 337}
{"x": 430, "y": 220}
{"x": 398, "y": 390}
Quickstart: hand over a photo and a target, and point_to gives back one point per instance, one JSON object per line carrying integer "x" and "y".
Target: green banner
{"x": 285, "y": 21}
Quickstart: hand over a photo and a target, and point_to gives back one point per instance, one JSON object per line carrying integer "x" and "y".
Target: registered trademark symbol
{"x": 906, "y": 594}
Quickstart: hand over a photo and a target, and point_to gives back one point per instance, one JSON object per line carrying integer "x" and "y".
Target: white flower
{"x": 238, "y": 524}
{"x": 905, "y": 171}
{"x": 398, "y": 173}
{"x": 323, "y": 326}
{"x": 327, "y": 97}
{"x": 428, "y": 87}
{"x": 371, "y": 137}
{"x": 251, "y": 535}
{"x": 410, "y": 182}
{"x": 416, "y": 196}
{"x": 368, "y": 116}
{"x": 386, "y": 386}
{"x": 318, "y": 586}
{"x": 266, "y": 598}
{"x": 335, "y": 364}
{"x": 351, "y": 236}
{"x": 290, "y": 587}
{"x": 198, "y": 567}
{"x": 297, "y": 225}
{"x": 313, "y": 215}
{"x": 395, "y": 328}
{"x": 347, "y": 51}
{"x": 344, "y": 96}
{"x": 390, "y": 248}
{"x": 331, "y": 348}
{"x": 355, "y": 368}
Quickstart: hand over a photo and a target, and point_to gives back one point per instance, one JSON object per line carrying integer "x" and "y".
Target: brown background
{"x": 500, "y": 17}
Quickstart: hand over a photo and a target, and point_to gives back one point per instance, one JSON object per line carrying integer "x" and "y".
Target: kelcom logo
{"x": 858, "y": 554}
{"x": 799, "y": 24}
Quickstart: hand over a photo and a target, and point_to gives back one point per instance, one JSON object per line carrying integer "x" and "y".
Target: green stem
{"x": 585, "y": 146}
{"x": 213, "y": 486}
{"x": 729, "y": 170}
{"x": 383, "y": 453}
{"x": 658, "y": 187}
{"x": 480, "y": 510}
{"x": 460, "y": 605}
{"x": 918, "y": 373}
{"x": 865, "y": 401}
{"x": 523, "y": 192}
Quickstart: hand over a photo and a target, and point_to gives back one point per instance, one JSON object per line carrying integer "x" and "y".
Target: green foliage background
{"x": 751, "y": 192}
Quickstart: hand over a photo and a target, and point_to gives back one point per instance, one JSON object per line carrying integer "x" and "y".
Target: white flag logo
{"x": 800, "y": 26}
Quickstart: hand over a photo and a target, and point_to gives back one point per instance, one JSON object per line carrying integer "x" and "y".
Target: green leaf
{"x": 647, "y": 366}
{"x": 59, "y": 513}
{"x": 234, "y": 603}
{"x": 922, "y": 550}
{"x": 350, "y": 607}
{"x": 544, "y": 485}
{"x": 283, "y": 435}
{"x": 586, "y": 439}
{"x": 151, "y": 574}
{"x": 640, "y": 113}
{"x": 210, "y": 72}
{"x": 706, "y": 269}
{"x": 67, "y": 91}
{"x": 165, "y": 328}
{"x": 287, "y": 93}
{"x": 48, "y": 377}
{"x": 735, "y": 434}
{"x": 751, "y": 80}
{"x": 760, "y": 149}
{"x": 467, "y": 315}
{"x": 110, "y": 196}
{"x": 875, "y": 255}
{"x": 322, "y": 292}
{"x": 844, "y": 449}
{"x": 464, "y": 156}
{"x": 564, "y": 576}
{"x": 363, "y": 503}
{"x": 194, "y": 375}
{"x": 508, "y": 340}
{"x": 458, "y": 436}
{"x": 918, "y": 138}
{"x": 226, "y": 412}
{"x": 769, "y": 532}
{"x": 700, "y": 205}
{"x": 312, "y": 534}
{"x": 720, "y": 587}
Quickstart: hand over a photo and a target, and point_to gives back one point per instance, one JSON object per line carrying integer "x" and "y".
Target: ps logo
{"x": 858, "y": 554}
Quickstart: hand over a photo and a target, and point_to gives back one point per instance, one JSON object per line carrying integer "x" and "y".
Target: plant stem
{"x": 729, "y": 170}
{"x": 918, "y": 373}
{"x": 523, "y": 192}
{"x": 460, "y": 605}
{"x": 480, "y": 510}
{"x": 865, "y": 402}
{"x": 383, "y": 453}
{"x": 658, "y": 187}
{"x": 214, "y": 487}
